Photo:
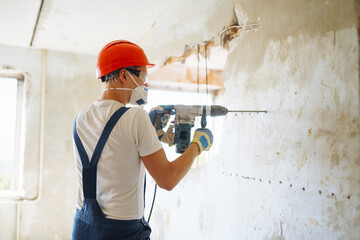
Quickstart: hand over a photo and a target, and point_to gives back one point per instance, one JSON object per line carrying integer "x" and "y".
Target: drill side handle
{"x": 203, "y": 118}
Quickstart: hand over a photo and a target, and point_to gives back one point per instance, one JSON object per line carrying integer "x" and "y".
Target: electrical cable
{"x": 198, "y": 63}
{"x": 152, "y": 205}
{"x": 206, "y": 73}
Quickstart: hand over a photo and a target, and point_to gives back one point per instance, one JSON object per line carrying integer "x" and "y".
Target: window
{"x": 11, "y": 95}
{"x": 165, "y": 97}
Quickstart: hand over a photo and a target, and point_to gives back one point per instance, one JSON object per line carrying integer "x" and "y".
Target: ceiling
{"x": 161, "y": 27}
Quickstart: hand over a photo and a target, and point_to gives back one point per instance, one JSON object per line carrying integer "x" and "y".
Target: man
{"x": 114, "y": 143}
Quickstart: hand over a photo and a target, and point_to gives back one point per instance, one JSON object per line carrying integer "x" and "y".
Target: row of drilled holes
{"x": 280, "y": 182}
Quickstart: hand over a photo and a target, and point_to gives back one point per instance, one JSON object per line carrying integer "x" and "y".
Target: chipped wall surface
{"x": 294, "y": 172}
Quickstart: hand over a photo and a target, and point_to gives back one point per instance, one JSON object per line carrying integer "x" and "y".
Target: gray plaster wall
{"x": 70, "y": 85}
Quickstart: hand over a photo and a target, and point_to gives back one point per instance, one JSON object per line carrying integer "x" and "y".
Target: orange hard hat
{"x": 119, "y": 54}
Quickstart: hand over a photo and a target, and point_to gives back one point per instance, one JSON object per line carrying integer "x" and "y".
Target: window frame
{"x": 17, "y": 191}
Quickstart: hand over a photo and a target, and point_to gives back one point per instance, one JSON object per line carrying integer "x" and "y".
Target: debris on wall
{"x": 182, "y": 75}
{"x": 240, "y": 24}
{"x": 202, "y": 49}
{"x": 196, "y": 68}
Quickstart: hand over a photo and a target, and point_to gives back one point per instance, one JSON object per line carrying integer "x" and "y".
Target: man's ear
{"x": 122, "y": 75}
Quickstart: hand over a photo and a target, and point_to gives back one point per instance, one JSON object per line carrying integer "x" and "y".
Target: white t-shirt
{"x": 120, "y": 171}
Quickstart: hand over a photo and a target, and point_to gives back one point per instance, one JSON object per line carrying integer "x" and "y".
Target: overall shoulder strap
{"x": 105, "y": 135}
{"x": 80, "y": 147}
{"x": 89, "y": 169}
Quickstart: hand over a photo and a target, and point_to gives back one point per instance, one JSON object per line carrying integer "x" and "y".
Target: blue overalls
{"x": 90, "y": 222}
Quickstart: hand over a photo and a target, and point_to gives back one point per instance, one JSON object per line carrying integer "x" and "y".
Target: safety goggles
{"x": 140, "y": 74}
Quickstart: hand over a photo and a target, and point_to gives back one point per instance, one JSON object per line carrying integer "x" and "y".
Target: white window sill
{"x": 11, "y": 195}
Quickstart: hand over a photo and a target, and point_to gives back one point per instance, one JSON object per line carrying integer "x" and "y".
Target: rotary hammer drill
{"x": 185, "y": 118}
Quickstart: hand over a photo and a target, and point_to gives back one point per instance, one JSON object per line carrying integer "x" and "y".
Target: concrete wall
{"x": 294, "y": 172}
{"x": 70, "y": 86}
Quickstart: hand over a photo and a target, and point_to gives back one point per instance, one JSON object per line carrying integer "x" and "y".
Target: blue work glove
{"x": 203, "y": 138}
{"x": 160, "y": 115}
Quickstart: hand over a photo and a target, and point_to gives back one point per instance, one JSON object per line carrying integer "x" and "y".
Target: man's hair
{"x": 115, "y": 74}
{"x": 111, "y": 76}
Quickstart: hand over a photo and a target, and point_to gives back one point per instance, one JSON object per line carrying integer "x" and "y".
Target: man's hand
{"x": 203, "y": 138}
{"x": 160, "y": 115}
{"x": 167, "y": 137}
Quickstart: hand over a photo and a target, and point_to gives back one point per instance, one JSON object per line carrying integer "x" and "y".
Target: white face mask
{"x": 138, "y": 95}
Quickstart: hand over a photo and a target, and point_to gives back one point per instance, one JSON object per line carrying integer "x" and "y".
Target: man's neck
{"x": 116, "y": 95}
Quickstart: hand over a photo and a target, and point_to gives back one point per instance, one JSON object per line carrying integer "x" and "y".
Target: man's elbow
{"x": 169, "y": 178}
{"x": 168, "y": 186}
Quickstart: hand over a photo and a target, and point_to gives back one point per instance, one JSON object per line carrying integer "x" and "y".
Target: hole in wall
{"x": 260, "y": 180}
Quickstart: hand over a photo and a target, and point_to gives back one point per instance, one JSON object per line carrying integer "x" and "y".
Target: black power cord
{"x": 152, "y": 205}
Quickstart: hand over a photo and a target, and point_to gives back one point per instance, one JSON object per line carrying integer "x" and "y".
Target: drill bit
{"x": 248, "y": 111}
